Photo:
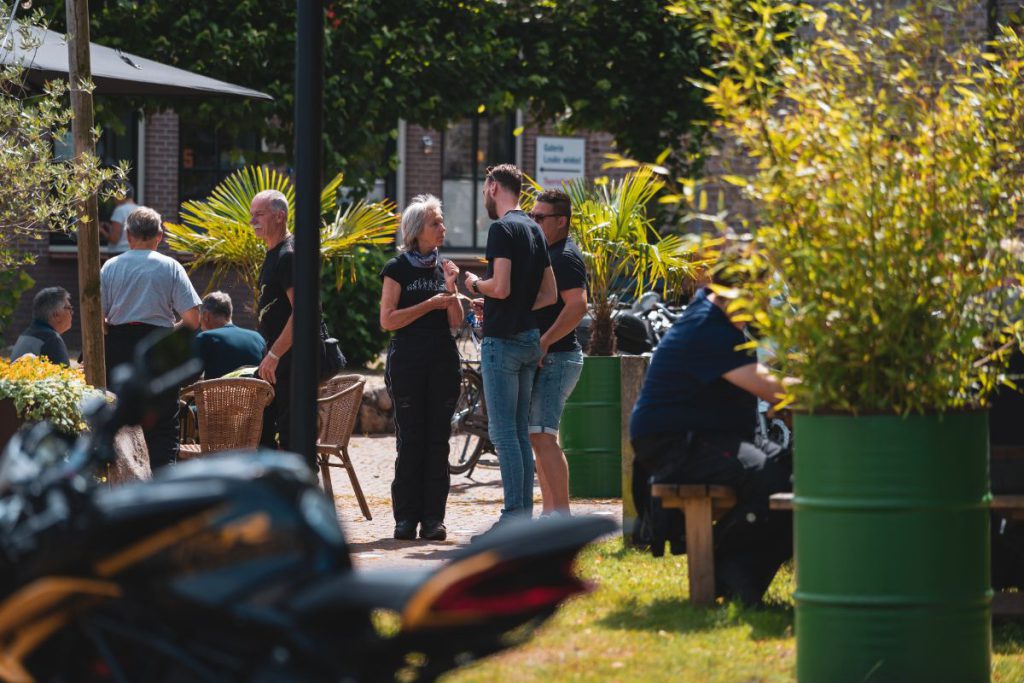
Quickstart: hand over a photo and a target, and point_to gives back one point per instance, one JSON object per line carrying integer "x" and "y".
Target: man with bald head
{"x": 269, "y": 221}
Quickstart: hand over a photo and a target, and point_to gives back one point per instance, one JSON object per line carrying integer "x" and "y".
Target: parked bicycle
{"x": 469, "y": 438}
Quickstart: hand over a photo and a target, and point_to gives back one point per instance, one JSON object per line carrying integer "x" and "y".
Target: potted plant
{"x": 33, "y": 389}
{"x": 624, "y": 254}
{"x": 217, "y": 232}
{"x": 887, "y": 180}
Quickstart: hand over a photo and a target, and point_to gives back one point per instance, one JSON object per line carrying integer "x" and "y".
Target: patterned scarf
{"x": 422, "y": 260}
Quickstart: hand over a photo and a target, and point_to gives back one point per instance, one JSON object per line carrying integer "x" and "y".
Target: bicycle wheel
{"x": 469, "y": 425}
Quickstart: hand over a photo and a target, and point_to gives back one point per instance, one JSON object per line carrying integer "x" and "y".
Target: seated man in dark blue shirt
{"x": 51, "y": 313}
{"x": 223, "y": 346}
{"x": 693, "y": 423}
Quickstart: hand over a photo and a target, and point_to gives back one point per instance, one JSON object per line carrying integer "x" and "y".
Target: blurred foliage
{"x": 888, "y": 159}
{"x": 39, "y": 192}
{"x": 216, "y": 230}
{"x": 13, "y": 283}
{"x": 352, "y": 305}
{"x": 42, "y": 390}
{"x": 429, "y": 62}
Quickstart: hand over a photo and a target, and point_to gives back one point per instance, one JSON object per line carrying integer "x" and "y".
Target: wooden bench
{"x": 1004, "y": 603}
{"x": 701, "y": 504}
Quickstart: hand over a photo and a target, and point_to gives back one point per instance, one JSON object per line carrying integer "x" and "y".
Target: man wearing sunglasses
{"x": 561, "y": 356}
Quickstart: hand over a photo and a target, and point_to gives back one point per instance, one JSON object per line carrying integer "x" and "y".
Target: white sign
{"x": 559, "y": 159}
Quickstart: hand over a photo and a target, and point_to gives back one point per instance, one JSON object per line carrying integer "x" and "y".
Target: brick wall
{"x": 422, "y": 171}
{"x": 161, "y": 191}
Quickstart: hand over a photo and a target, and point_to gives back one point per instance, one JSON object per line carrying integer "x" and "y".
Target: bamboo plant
{"x": 887, "y": 181}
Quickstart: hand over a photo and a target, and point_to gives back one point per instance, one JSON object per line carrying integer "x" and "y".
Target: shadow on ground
{"x": 427, "y": 550}
{"x": 677, "y": 615}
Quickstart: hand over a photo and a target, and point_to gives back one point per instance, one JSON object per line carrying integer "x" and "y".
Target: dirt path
{"x": 473, "y": 505}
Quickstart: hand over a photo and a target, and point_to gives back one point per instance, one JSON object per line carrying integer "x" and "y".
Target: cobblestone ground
{"x": 473, "y": 505}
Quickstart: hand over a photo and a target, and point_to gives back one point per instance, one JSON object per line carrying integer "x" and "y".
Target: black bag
{"x": 332, "y": 360}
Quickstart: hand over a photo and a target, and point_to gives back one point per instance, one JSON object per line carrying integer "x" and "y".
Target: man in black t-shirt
{"x": 519, "y": 280}
{"x": 561, "y": 356}
{"x": 269, "y": 220}
{"x": 693, "y": 423}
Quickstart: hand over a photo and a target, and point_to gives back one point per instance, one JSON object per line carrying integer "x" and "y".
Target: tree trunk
{"x": 602, "y": 332}
{"x": 90, "y": 309}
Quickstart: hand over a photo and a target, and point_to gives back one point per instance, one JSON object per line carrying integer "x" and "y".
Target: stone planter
{"x": 376, "y": 414}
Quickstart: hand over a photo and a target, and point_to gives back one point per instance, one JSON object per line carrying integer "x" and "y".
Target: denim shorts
{"x": 556, "y": 379}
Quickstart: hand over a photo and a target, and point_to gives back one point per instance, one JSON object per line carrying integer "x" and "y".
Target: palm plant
{"x": 623, "y": 251}
{"x": 216, "y": 230}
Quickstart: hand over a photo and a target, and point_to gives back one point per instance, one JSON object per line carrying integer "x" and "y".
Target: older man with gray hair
{"x": 51, "y": 313}
{"x": 223, "y": 346}
{"x": 269, "y": 220}
{"x": 142, "y": 291}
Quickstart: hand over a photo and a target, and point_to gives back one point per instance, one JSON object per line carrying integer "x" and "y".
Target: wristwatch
{"x": 475, "y": 285}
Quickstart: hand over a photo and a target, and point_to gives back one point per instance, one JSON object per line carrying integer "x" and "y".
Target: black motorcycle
{"x": 234, "y": 568}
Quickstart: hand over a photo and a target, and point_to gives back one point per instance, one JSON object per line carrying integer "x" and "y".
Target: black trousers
{"x": 161, "y": 429}
{"x": 751, "y": 542}
{"x": 277, "y": 418}
{"x": 423, "y": 378}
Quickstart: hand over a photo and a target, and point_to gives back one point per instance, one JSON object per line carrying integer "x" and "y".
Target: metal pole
{"x": 91, "y": 311}
{"x": 308, "y": 123}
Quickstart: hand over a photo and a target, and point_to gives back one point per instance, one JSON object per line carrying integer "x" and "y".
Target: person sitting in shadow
{"x": 694, "y": 422}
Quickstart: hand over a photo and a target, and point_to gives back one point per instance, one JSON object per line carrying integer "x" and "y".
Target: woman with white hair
{"x": 419, "y": 303}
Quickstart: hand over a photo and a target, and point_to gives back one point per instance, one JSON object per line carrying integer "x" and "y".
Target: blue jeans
{"x": 556, "y": 379}
{"x": 508, "y": 367}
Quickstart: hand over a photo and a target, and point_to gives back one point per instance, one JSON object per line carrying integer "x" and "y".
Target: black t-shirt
{"x": 418, "y": 284}
{"x": 276, "y": 277}
{"x": 684, "y": 390}
{"x": 570, "y": 273}
{"x": 515, "y": 237}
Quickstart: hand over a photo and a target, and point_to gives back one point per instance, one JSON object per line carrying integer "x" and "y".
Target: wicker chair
{"x": 339, "y": 402}
{"x": 230, "y": 414}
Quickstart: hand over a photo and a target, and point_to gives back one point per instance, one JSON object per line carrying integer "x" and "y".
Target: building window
{"x": 209, "y": 156}
{"x": 469, "y": 147}
{"x": 118, "y": 142}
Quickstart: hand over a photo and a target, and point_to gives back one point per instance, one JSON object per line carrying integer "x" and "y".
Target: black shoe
{"x": 433, "y": 531}
{"x": 405, "y": 531}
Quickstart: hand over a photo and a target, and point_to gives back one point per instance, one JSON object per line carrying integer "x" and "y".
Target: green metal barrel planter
{"x": 591, "y": 431}
{"x": 892, "y": 548}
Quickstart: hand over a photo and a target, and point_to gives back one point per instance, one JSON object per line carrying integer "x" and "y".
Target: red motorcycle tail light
{"x": 486, "y": 587}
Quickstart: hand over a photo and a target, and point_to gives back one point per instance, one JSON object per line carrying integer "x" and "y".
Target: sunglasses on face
{"x": 538, "y": 217}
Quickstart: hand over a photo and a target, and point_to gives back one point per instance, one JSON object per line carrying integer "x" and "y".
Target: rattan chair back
{"x": 339, "y": 402}
{"x": 230, "y": 412}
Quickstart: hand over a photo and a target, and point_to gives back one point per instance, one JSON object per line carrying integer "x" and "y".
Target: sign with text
{"x": 559, "y": 159}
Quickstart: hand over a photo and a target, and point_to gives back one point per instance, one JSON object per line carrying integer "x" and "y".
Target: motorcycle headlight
{"x": 320, "y": 515}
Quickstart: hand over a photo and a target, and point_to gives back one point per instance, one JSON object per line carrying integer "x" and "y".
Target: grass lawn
{"x": 639, "y": 626}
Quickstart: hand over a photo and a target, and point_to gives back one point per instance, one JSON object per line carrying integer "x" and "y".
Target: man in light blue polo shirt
{"x": 141, "y": 291}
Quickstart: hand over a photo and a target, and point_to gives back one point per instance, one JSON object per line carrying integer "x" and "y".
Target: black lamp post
{"x": 308, "y": 124}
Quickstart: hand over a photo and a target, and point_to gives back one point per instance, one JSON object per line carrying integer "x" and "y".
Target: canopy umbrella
{"x": 115, "y": 72}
